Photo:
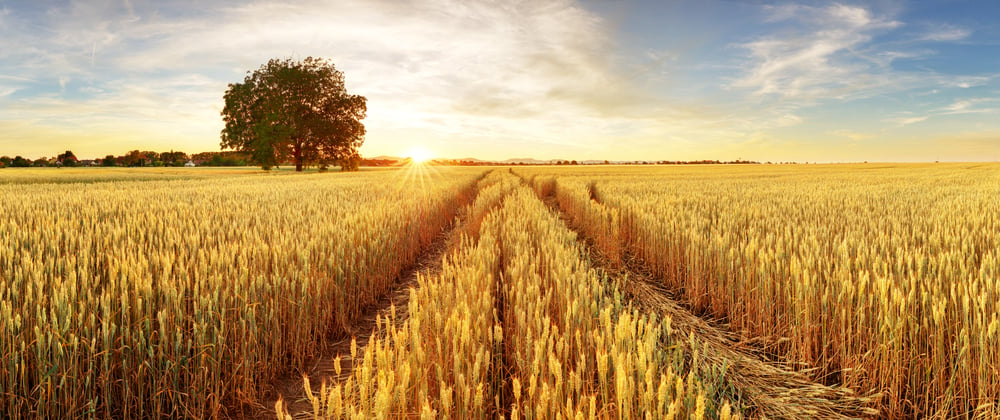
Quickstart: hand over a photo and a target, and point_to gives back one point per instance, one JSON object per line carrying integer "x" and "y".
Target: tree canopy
{"x": 294, "y": 110}
{"x": 67, "y": 159}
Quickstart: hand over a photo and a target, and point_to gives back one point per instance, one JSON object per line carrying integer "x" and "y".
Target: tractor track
{"x": 766, "y": 388}
{"x": 323, "y": 368}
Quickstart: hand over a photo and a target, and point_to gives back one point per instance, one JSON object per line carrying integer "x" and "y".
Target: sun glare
{"x": 420, "y": 155}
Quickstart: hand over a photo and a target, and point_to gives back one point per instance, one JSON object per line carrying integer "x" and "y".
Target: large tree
{"x": 294, "y": 110}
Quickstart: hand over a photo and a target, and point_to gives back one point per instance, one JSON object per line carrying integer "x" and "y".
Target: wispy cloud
{"x": 16, "y": 78}
{"x": 969, "y": 106}
{"x": 819, "y": 58}
{"x": 904, "y": 121}
{"x": 966, "y": 82}
{"x": 946, "y": 33}
{"x": 818, "y": 53}
{"x": 956, "y": 107}
{"x": 852, "y": 135}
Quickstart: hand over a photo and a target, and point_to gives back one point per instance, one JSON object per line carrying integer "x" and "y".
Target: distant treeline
{"x": 378, "y": 162}
{"x": 458, "y": 162}
{"x": 135, "y": 158}
{"x": 139, "y": 158}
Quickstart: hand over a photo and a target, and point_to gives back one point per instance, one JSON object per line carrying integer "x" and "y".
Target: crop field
{"x": 537, "y": 292}
{"x": 880, "y": 279}
{"x": 174, "y": 298}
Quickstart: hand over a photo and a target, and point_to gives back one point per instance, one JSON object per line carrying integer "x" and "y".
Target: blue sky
{"x": 589, "y": 79}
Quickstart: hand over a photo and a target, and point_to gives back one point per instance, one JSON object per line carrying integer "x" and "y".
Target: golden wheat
{"x": 515, "y": 325}
{"x": 881, "y": 278}
{"x": 180, "y": 298}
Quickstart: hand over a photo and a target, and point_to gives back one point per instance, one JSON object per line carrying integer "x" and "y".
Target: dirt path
{"x": 323, "y": 368}
{"x": 769, "y": 390}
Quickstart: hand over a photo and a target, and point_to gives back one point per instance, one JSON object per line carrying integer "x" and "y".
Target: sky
{"x": 549, "y": 79}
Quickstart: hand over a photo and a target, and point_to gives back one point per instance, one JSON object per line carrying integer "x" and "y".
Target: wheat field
{"x": 880, "y": 278}
{"x": 175, "y": 298}
{"x": 185, "y": 294}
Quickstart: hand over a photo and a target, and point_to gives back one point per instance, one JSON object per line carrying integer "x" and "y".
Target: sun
{"x": 419, "y": 155}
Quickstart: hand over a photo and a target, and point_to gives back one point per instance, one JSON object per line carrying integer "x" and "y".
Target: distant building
{"x": 189, "y": 164}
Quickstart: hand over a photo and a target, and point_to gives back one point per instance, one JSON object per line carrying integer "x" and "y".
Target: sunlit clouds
{"x": 496, "y": 80}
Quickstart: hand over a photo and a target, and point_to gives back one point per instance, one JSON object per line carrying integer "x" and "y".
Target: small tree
{"x": 173, "y": 158}
{"x": 349, "y": 163}
{"x": 152, "y": 158}
{"x": 293, "y": 110}
{"x": 134, "y": 158}
{"x": 67, "y": 159}
{"x": 109, "y": 160}
{"x": 20, "y": 162}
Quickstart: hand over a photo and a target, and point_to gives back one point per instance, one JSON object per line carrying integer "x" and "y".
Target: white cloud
{"x": 968, "y": 106}
{"x": 958, "y": 106}
{"x": 853, "y": 16}
{"x": 787, "y": 120}
{"x": 852, "y": 135}
{"x": 885, "y": 58}
{"x": 966, "y": 82}
{"x": 904, "y": 121}
{"x": 946, "y": 33}
{"x": 778, "y": 13}
{"x": 15, "y": 78}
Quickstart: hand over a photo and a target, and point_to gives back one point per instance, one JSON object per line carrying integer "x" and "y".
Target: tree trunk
{"x": 298, "y": 158}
